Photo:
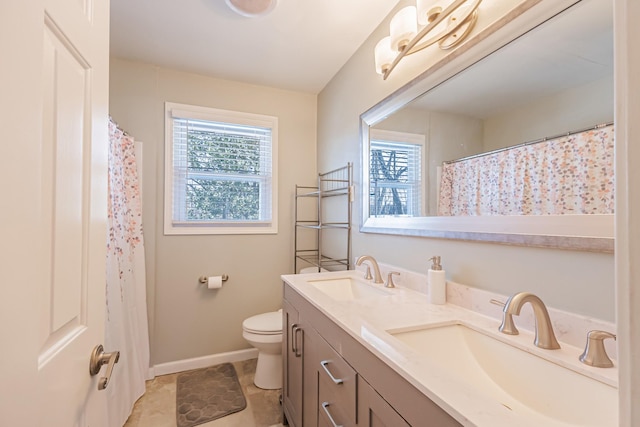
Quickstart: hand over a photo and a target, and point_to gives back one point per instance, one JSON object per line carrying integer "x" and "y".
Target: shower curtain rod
{"x": 536, "y": 141}
{"x": 118, "y": 126}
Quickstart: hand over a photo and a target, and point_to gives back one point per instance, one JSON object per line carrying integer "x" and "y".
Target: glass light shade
{"x": 384, "y": 55}
{"x": 251, "y": 8}
{"x": 427, "y": 8}
{"x": 403, "y": 27}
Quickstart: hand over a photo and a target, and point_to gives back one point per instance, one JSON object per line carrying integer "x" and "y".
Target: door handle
{"x": 99, "y": 358}
{"x": 298, "y": 351}
{"x": 294, "y": 326}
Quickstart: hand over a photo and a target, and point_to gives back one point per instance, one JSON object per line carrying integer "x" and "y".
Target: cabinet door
{"x": 292, "y": 351}
{"x": 374, "y": 411}
{"x": 310, "y": 377}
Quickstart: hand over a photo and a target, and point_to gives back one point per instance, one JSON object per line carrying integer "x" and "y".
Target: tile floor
{"x": 157, "y": 408}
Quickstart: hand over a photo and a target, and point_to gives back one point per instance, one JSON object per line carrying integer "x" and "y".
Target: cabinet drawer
{"x": 336, "y": 384}
{"x": 333, "y": 408}
{"x": 331, "y": 415}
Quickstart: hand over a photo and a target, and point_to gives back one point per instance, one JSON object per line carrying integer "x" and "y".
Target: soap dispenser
{"x": 437, "y": 282}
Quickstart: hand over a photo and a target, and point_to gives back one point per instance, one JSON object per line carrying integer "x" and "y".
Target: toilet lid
{"x": 265, "y": 323}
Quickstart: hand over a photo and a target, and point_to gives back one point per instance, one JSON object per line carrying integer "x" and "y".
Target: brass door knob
{"x": 99, "y": 358}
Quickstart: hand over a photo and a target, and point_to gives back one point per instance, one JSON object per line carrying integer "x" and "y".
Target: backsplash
{"x": 570, "y": 328}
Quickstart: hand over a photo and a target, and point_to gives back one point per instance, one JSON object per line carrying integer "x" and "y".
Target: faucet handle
{"x": 594, "y": 353}
{"x": 389, "y": 283}
{"x": 507, "y": 326}
{"x": 367, "y": 275}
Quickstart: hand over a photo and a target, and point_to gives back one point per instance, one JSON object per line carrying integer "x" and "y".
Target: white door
{"x": 53, "y": 164}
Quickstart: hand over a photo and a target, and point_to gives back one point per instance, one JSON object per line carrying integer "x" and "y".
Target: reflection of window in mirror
{"x": 397, "y": 187}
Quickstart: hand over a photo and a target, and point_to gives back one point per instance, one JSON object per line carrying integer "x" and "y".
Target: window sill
{"x": 190, "y": 229}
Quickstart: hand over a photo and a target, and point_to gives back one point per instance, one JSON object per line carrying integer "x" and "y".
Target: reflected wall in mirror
{"x": 446, "y": 153}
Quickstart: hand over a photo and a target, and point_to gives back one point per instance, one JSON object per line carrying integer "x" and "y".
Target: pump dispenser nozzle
{"x": 436, "y": 263}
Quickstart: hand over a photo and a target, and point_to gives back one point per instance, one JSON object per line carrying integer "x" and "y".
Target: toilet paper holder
{"x": 205, "y": 279}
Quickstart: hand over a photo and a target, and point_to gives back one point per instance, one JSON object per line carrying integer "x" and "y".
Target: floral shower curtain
{"x": 572, "y": 174}
{"x": 126, "y": 311}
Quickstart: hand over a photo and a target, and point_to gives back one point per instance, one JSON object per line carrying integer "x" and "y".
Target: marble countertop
{"x": 367, "y": 320}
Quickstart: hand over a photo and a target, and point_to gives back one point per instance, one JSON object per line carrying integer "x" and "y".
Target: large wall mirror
{"x": 516, "y": 148}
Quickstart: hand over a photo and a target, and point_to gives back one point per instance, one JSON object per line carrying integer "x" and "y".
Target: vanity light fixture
{"x": 413, "y": 28}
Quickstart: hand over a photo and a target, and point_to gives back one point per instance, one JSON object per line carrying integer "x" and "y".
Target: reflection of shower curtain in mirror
{"x": 572, "y": 174}
{"x": 126, "y": 312}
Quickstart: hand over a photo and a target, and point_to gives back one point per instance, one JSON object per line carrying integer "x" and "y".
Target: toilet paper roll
{"x": 214, "y": 282}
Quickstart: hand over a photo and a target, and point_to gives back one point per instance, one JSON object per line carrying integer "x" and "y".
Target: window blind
{"x": 395, "y": 174}
{"x": 222, "y": 172}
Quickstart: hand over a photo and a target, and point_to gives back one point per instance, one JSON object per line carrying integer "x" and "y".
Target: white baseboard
{"x": 202, "y": 362}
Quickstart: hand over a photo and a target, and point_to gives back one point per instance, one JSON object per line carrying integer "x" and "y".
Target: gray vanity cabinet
{"x": 331, "y": 379}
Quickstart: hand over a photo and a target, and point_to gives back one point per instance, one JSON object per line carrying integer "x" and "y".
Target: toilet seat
{"x": 264, "y": 324}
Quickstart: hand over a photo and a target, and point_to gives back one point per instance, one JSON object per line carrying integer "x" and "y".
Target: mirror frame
{"x": 593, "y": 233}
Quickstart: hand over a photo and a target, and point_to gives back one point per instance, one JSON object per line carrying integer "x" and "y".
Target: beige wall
{"x": 573, "y": 281}
{"x": 573, "y": 109}
{"x": 187, "y": 320}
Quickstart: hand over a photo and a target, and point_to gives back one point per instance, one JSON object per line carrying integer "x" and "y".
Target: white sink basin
{"x": 520, "y": 381}
{"x": 347, "y": 289}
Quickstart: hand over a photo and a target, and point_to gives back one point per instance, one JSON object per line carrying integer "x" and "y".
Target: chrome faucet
{"x": 376, "y": 270}
{"x": 545, "y": 338}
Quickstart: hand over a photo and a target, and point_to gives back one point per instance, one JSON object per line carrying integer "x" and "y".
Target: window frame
{"x": 405, "y": 138}
{"x": 185, "y": 111}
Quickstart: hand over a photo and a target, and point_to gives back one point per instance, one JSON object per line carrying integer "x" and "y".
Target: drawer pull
{"x": 325, "y": 405}
{"x": 297, "y": 350}
{"x": 324, "y": 364}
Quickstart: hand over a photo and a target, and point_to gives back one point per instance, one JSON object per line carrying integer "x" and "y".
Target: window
{"x": 396, "y": 185}
{"x": 220, "y": 171}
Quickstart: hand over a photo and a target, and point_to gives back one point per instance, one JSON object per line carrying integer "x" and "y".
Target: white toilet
{"x": 264, "y": 332}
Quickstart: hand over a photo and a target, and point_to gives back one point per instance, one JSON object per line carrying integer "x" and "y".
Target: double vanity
{"x": 359, "y": 353}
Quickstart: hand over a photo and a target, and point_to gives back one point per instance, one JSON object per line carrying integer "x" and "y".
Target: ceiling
{"x": 570, "y": 50}
{"x": 299, "y": 46}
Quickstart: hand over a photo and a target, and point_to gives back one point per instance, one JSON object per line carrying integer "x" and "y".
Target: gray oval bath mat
{"x": 206, "y": 394}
